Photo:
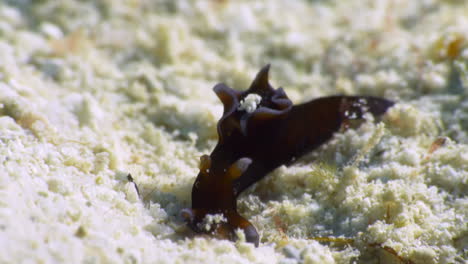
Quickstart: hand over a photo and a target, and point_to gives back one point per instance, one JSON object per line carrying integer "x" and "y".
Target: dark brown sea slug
{"x": 253, "y": 142}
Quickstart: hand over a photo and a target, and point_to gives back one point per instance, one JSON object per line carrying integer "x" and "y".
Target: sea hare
{"x": 259, "y": 131}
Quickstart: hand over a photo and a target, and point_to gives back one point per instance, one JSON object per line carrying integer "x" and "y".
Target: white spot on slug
{"x": 250, "y": 103}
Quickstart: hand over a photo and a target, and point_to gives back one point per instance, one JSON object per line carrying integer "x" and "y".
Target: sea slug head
{"x": 245, "y": 111}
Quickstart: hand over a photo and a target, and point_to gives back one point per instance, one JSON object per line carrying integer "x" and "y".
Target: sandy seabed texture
{"x": 91, "y": 91}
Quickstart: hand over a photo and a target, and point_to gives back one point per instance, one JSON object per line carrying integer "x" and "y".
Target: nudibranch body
{"x": 259, "y": 131}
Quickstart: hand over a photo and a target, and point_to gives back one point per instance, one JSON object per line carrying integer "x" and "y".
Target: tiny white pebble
{"x": 464, "y": 53}
{"x": 51, "y": 30}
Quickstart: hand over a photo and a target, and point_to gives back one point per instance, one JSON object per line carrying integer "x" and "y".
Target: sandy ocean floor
{"x": 91, "y": 91}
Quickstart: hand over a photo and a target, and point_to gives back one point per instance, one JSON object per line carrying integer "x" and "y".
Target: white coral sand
{"x": 91, "y": 91}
